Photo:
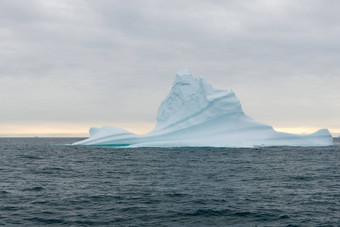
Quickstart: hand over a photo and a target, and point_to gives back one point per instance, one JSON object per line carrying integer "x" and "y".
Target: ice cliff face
{"x": 196, "y": 114}
{"x": 190, "y": 102}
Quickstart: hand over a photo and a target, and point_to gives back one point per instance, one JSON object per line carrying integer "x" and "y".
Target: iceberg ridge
{"x": 196, "y": 114}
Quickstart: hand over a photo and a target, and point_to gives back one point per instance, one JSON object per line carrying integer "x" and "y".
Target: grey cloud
{"x": 87, "y": 61}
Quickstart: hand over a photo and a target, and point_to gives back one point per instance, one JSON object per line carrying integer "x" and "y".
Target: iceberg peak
{"x": 190, "y": 96}
{"x": 183, "y": 72}
{"x": 196, "y": 114}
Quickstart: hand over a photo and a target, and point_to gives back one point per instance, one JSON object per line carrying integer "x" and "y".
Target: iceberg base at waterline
{"x": 194, "y": 114}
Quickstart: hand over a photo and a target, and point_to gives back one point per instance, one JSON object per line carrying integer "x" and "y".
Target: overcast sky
{"x": 67, "y": 65}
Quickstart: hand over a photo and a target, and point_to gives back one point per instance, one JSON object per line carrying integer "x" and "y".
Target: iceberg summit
{"x": 194, "y": 114}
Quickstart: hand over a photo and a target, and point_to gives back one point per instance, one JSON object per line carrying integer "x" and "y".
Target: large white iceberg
{"x": 196, "y": 114}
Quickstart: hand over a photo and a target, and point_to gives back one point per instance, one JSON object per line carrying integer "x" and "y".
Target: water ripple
{"x": 47, "y": 184}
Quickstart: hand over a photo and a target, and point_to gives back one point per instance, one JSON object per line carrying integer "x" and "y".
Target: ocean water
{"x": 43, "y": 182}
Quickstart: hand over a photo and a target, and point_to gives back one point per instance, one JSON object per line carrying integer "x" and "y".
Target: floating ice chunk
{"x": 196, "y": 114}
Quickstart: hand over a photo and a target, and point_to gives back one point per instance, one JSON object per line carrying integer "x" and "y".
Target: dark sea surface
{"x": 44, "y": 182}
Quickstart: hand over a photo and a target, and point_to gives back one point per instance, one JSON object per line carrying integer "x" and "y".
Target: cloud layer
{"x": 93, "y": 63}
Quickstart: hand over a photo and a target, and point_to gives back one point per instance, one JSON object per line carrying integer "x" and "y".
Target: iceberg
{"x": 195, "y": 114}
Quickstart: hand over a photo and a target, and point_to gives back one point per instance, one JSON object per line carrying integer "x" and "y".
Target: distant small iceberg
{"x": 196, "y": 114}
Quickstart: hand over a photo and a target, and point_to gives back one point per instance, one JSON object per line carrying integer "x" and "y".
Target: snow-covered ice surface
{"x": 196, "y": 114}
